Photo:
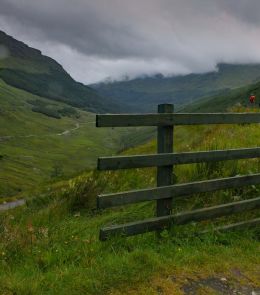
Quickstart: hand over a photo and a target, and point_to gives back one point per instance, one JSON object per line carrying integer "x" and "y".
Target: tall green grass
{"x": 51, "y": 246}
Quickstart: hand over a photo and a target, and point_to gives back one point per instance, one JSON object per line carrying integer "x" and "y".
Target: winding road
{"x": 65, "y": 132}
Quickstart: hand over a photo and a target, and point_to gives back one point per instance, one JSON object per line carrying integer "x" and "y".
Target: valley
{"x": 144, "y": 93}
{"x": 36, "y": 148}
{"x": 49, "y": 145}
{"x": 58, "y": 229}
{"x": 47, "y": 122}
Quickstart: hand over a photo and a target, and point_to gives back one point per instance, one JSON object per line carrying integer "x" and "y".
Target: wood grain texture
{"x": 235, "y": 226}
{"x": 160, "y": 223}
{"x": 164, "y": 173}
{"x": 155, "y": 160}
{"x": 177, "y": 190}
{"x": 126, "y": 120}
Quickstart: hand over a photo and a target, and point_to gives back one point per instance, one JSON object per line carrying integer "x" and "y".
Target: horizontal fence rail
{"x": 156, "y": 160}
{"x": 177, "y": 190}
{"x": 153, "y": 224}
{"x": 166, "y": 191}
{"x": 248, "y": 223}
{"x": 169, "y": 119}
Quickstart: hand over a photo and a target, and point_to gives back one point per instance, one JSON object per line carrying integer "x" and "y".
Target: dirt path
{"x": 220, "y": 285}
{"x": 235, "y": 282}
{"x": 65, "y": 132}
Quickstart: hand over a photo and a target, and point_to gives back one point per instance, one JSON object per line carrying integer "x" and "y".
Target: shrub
{"x": 68, "y": 112}
{"x": 47, "y": 112}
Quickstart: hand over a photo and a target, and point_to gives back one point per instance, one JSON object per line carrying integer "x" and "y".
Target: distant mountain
{"x": 145, "y": 93}
{"x": 26, "y": 68}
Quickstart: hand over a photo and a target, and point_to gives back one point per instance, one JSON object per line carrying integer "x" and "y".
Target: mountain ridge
{"x": 146, "y": 92}
{"x": 26, "y": 68}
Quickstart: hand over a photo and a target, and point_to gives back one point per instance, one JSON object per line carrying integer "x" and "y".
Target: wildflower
{"x": 44, "y": 231}
{"x": 30, "y": 227}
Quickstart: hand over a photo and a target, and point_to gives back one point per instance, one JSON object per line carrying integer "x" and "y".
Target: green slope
{"x": 36, "y": 148}
{"x": 52, "y": 246}
{"x": 222, "y": 103}
{"x": 26, "y": 68}
{"x": 145, "y": 93}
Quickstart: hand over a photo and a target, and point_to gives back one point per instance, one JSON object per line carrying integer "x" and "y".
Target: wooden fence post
{"x": 165, "y": 161}
{"x": 164, "y": 173}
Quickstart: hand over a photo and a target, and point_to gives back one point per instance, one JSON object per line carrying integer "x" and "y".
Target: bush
{"x": 82, "y": 192}
{"x": 47, "y": 112}
{"x": 68, "y": 112}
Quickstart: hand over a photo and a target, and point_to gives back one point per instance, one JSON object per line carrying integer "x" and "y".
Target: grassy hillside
{"x": 145, "y": 93}
{"x": 47, "y": 128}
{"x": 26, "y": 68}
{"x": 42, "y": 140}
{"x": 51, "y": 246}
{"x": 221, "y": 103}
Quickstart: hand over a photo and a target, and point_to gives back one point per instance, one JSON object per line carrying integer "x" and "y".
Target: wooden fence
{"x": 166, "y": 191}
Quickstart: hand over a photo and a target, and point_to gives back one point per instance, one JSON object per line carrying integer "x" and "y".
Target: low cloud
{"x": 98, "y": 39}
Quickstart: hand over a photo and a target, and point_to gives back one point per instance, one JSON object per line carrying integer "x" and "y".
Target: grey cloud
{"x": 247, "y": 11}
{"x": 96, "y": 39}
{"x": 83, "y": 25}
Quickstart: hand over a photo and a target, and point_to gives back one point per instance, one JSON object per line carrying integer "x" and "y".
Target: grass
{"x": 51, "y": 246}
{"x": 65, "y": 256}
{"x": 28, "y": 65}
{"x": 32, "y": 151}
{"x": 225, "y": 101}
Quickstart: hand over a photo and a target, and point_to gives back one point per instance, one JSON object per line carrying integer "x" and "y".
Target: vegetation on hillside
{"x": 26, "y": 68}
{"x": 221, "y": 103}
{"x": 33, "y": 144}
{"x": 51, "y": 245}
{"x": 146, "y": 92}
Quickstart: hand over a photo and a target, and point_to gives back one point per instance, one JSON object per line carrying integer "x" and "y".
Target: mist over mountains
{"x": 146, "y": 92}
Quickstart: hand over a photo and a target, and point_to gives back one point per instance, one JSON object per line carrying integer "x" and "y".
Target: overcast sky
{"x": 97, "y": 39}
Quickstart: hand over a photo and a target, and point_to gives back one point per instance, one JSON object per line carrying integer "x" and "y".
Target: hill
{"x": 223, "y": 102}
{"x": 51, "y": 245}
{"x": 43, "y": 140}
{"x": 145, "y": 93}
{"x": 47, "y": 124}
{"x": 26, "y": 68}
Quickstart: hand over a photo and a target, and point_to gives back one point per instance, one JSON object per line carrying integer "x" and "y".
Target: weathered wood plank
{"x": 238, "y": 225}
{"x": 164, "y": 173}
{"x": 141, "y": 161}
{"x": 129, "y": 120}
{"x": 160, "y": 223}
{"x": 130, "y": 197}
